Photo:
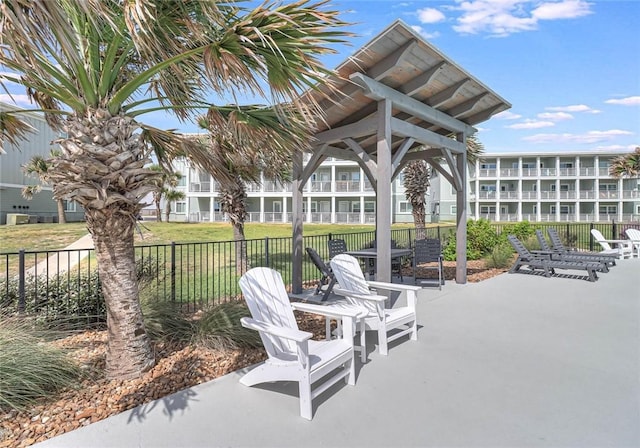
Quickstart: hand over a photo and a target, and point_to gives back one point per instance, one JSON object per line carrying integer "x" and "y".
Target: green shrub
{"x": 219, "y": 327}
{"x": 29, "y": 368}
{"x": 500, "y": 257}
{"x": 523, "y": 230}
{"x": 481, "y": 239}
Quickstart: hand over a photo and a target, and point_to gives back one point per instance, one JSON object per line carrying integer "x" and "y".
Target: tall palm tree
{"x": 416, "y": 176}
{"x": 95, "y": 66}
{"x": 40, "y": 167}
{"x": 627, "y": 165}
{"x": 241, "y": 161}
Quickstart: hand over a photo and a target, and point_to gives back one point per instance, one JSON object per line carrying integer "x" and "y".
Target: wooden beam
{"x": 361, "y": 128}
{"x": 368, "y": 165}
{"x": 425, "y": 136}
{"x": 446, "y": 94}
{"x": 461, "y": 217}
{"x": 402, "y": 150}
{"x": 465, "y": 107}
{"x": 422, "y": 80}
{"x": 435, "y": 164}
{"x": 485, "y": 114}
{"x": 382, "y": 68}
{"x": 317, "y": 157}
{"x": 378, "y": 91}
{"x": 297, "y": 225}
{"x": 383, "y": 194}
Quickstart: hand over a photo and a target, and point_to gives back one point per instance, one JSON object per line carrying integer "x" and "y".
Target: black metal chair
{"x": 328, "y": 279}
{"x": 428, "y": 251}
{"x": 336, "y": 247}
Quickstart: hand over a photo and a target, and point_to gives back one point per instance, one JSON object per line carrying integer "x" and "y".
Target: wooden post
{"x": 461, "y": 215}
{"x": 383, "y": 194}
{"x": 297, "y": 225}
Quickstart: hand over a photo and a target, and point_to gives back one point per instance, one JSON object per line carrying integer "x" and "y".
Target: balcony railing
{"x": 567, "y": 171}
{"x": 487, "y": 173}
{"x": 587, "y": 171}
{"x": 509, "y": 172}
{"x": 548, "y": 194}
{"x": 198, "y": 187}
{"x": 530, "y": 194}
{"x": 570, "y": 194}
{"x": 609, "y": 194}
{"x": 347, "y": 217}
{"x": 487, "y": 194}
{"x": 509, "y": 195}
{"x": 322, "y": 186}
{"x": 350, "y": 186}
{"x": 548, "y": 172}
{"x": 529, "y": 172}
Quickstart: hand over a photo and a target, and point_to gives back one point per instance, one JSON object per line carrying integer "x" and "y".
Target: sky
{"x": 570, "y": 68}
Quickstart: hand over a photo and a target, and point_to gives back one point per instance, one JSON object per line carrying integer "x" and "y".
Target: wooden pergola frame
{"x": 397, "y": 99}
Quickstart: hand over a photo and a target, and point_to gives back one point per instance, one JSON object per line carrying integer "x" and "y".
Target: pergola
{"x": 396, "y": 99}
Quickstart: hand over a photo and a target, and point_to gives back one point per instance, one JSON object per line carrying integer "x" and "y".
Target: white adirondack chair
{"x": 356, "y": 290}
{"x": 634, "y": 237}
{"x": 624, "y": 248}
{"x": 292, "y": 355}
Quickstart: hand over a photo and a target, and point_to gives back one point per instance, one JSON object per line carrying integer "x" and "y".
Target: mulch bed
{"x": 178, "y": 367}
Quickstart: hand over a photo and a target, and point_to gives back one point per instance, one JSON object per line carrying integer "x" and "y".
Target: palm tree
{"x": 167, "y": 181}
{"x": 240, "y": 161}
{"x": 95, "y": 66}
{"x": 416, "y": 176}
{"x": 39, "y": 166}
{"x": 170, "y": 196}
{"x": 627, "y": 165}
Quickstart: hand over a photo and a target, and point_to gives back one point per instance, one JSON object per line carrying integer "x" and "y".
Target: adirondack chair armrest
{"x": 357, "y": 295}
{"x": 328, "y": 311}
{"x": 282, "y": 332}
{"x": 393, "y": 286}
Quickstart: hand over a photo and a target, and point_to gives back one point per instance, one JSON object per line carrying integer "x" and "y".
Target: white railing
{"x": 529, "y": 172}
{"x": 323, "y": 186}
{"x": 548, "y": 194}
{"x": 509, "y": 217}
{"x": 347, "y": 218}
{"x": 548, "y": 172}
{"x": 567, "y": 171}
{"x": 487, "y": 194}
{"x": 529, "y": 194}
{"x": 347, "y": 186}
{"x": 508, "y": 195}
{"x": 603, "y": 171}
{"x": 509, "y": 172}
{"x": 321, "y": 217}
{"x": 630, "y": 194}
{"x": 197, "y": 187}
{"x": 608, "y": 194}
{"x": 588, "y": 171}
{"x": 587, "y": 194}
{"x": 273, "y": 217}
{"x": 487, "y": 173}
{"x": 571, "y": 194}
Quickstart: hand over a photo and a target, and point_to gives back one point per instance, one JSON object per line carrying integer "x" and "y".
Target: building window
{"x": 355, "y": 206}
{"x": 369, "y": 206}
{"x": 182, "y": 180}
{"x": 181, "y": 207}
{"x": 608, "y": 187}
{"x": 564, "y": 187}
{"x": 404, "y": 207}
{"x": 487, "y": 166}
{"x": 566, "y": 164}
{"x": 453, "y": 210}
{"x": 69, "y": 206}
{"x": 484, "y": 209}
{"x": 608, "y": 209}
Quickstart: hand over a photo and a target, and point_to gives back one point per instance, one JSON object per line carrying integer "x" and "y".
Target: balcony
{"x": 509, "y": 217}
{"x": 509, "y": 195}
{"x": 321, "y": 186}
{"x": 272, "y": 187}
{"x": 529, "y": 172}
{"x": 487, "y": 173}
{"x": 487, "y": 195}
{"x": 588, "y": 171}
{"x": 509, "y": 172}
{"x": 348, "y": 186}
{"x": 200, "y": 187}
{"x": 530, "y": 195}
{"x": 613, "y": 194}
{"x": 321, "y": 217}
{"x": 548, "y": 194}
{"x": 587, "y": 194}
{"x": 548, "y": 172}
{"x": 347, "y": 218}
{"x": 273, "y": 216}
{"x": 567, "y": 172}
{"x": 630, "y": 194}
{"x": 570, "y": 194}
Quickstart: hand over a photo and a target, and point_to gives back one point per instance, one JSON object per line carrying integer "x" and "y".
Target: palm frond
{"x": 627, "y": 165}
{"x": 13, "y": 129}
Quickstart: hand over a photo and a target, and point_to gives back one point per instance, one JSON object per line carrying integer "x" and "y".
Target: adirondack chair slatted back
{"x": 427, "y": 251}
{"x": 350, "y": 277}
{"x": 633, "y": 234}
{"x": 542, "y": 241}
{"x": 556, "y": 241}
{"x": 268, "y": 301}
{"x": 600, "y": 239}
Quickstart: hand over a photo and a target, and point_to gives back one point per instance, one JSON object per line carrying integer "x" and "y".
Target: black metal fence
{"x": 66, "y": 282}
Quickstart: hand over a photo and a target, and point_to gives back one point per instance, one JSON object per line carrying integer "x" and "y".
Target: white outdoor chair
{"x": 634, "y": 237}
{"x": 292, "y": 355}
{"x": 622, "y": 247}
{"x": 356, "y": 290}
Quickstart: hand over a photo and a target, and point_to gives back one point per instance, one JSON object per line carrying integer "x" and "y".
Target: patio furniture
{"x": 336, "y": 247}
{"x": 556, "y": 241}
{"x": 292, "y": 355}
{"x": 605, "y": 260}
{"x": 546, "y": 264}
{"x": 634, "y": 237}
{"x": 623, "y": 247}
{"x": 396, "y": 261}
{"x": 328, "y": 280}
{"x": 370, "y": 255}
{"x": 390, "y": 323}
{"x": 428, "y": 251}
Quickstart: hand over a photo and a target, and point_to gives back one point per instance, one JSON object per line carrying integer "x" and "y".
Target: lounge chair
{"x": 605, "y": 260}
{"x": 390, "y": 323}
{"x": 292, "y": 355}
{"x": 546, "y": 264}
{"x": 328, "y": 280}
{"x": 623, "y": 247}
{"x": 634, "y": 237}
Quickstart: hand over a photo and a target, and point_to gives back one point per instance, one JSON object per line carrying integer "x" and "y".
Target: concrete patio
{"x": 517, "y": 360}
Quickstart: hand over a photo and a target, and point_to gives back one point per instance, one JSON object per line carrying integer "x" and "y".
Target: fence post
{"x": 266, "y": 250}
{"x": 21, "y": 282}
{"x": 173, "y": 271}
{"x": 614, "y": 230}
{"x": 591, "y": 226}
{"x": 568, "y": 239}
{"x": 439, "y": 237}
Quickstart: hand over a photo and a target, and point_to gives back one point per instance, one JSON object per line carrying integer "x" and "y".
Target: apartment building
{"x": 551, "y": 187}
{"x": 502, "y": 187}
{"x": 42, "y": 208}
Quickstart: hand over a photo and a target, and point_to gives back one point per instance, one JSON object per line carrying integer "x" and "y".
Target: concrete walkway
{"x": 517, "y": 360}
{"x": 63, "y": 261}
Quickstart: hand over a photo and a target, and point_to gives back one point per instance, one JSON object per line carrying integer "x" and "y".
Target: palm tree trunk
{"x": 129, "y": 351}
{"x": 419, "y": 217}
{"x": 62, "y": 218}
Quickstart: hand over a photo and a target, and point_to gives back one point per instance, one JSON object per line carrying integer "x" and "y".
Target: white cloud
{"x": 430, "y": 15}
{"x": 507, "y": 115}
{"x": 574, "y": 108}
{"x": 503, "y": 17}
{"x": 567, "y": 9}
{"x": 628, "y": 101}
{"x": 616, "y": 148}
{"x": 589, "y": 137}
{"x": 424, "y": 33}
{"x": 531, "y": 124}
{"x": 555, "y": 116}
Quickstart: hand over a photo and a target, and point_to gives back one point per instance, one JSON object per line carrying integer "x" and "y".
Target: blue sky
{"x": 570, "y": 68}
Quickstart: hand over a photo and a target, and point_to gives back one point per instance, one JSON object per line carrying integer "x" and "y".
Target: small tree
{"x": 164, "y": 183}
{"x": 416, "y": 184}
{"x": 40, "y": 167}
{"x": 627, "y": 165}
{"x": 169, "y": 197}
